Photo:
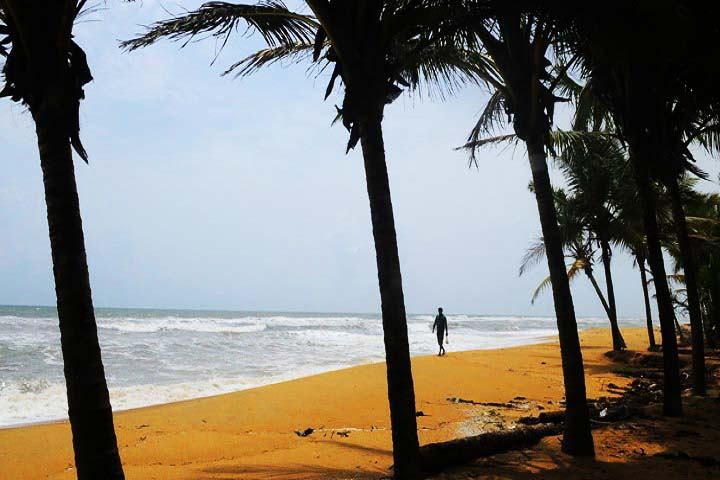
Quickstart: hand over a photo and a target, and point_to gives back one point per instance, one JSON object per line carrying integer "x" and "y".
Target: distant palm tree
{"x": 595, "y": 172}
{"x": 704, "y": 233}
{"x": 578, "y": 240}
{"x": 517, "y": 44}
{"x": 376, "y": 49}
{"x": 46, "y": 71}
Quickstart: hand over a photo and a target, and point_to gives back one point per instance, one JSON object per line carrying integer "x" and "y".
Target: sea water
{"x": 160, "y": 356}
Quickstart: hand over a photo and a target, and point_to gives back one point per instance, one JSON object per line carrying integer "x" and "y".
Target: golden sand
{"x": 251, "y": 434}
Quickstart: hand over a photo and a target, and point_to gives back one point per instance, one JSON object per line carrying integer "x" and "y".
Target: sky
{"x": 210, "y": 192}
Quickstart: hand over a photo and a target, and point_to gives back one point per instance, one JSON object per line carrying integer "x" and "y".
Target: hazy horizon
{"x": 205, "y": 192}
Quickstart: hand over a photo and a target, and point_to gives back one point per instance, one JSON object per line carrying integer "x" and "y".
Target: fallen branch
{"x": 436, "y": 456}
{"x": 704, "y": 460}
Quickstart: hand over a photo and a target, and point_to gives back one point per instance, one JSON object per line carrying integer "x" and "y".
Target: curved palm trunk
{"x": 646, "y": 295}
{"x": 672, "y": 403}
{"x": 598, "y": 291}
{"x": 577, "y": 439}
{"x": 618, "y": 340}
{"x": 606, "y": 307}
{"x": 697, "y": 336}
{"x": 94, "y": 442}
{"x": 406, "y": 451}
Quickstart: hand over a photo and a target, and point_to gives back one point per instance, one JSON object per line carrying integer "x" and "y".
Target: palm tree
{"x": 46, "y": 71}
{"x": 636, "y": 80}
{"x": 588, "y": 214}
{"x": 674, "y": 103}
{"x": 517, "y": 44}
{"x": 704, "y": 231}
{"x": 640, "y": 261}
{"x": 376, "y": 49}
{"x": 594, "y": 169}
{"x": 703, "y": 234}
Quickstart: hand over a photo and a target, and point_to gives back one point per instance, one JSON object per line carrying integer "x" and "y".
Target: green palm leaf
{"x": 547, "y": 282}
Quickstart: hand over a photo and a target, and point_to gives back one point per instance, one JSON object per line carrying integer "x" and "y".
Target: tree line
{"x": 641, "y": 78}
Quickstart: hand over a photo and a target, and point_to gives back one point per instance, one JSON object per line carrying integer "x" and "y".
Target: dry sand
{"x": 250, "y": 434}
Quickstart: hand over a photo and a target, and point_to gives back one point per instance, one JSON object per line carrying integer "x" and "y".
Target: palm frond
{"x": 576, "y": 267}
{"x": 566, "y": 142}
{"x": 472, "y": 147}
{"x": 590, "y": 113}
{"x": 491, "y": 117}
{"x": 290, "y": 54}
{"x": 547, "y": 282}
{"x": 533, "y": 256}
{"x": 709, "y": 138}
{"x": 437, "y": 69}
{"x": 270, "y": 18}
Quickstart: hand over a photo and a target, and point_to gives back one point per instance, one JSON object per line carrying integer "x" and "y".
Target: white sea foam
{"x": 155, "y": 357}
{"x": 42, "y": 402}
{"x": 184, "y": 324}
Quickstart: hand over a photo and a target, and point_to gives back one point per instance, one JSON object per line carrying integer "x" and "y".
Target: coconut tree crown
{"x": 31, "y": 68}
{"x": 414, "y": 45}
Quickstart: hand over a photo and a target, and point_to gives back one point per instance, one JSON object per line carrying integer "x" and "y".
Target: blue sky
{"x": 208, "y": 192}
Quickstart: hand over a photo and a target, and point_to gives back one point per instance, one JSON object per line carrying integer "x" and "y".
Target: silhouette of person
{"x": 442, "y": 328}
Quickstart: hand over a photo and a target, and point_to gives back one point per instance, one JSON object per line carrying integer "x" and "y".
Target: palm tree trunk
{"x": 646, "y": 295}
{"x": 688, "y": 258}
{"x": 598, "y": 291}
{"x": 618, "y": 340}
{"x": 89, "y": 410}
{"x": 577, "y": 438}
{"x": 406, "y": 451}
{"x": 715, "y": 309}
{"x": 678, "y": 329}
{"x": 672, "y": 403}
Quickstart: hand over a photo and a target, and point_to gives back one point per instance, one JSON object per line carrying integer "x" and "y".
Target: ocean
{"x": 160, "y": 356}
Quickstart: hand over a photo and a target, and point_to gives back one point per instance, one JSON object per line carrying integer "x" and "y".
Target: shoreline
{"x": 539, "y": 341}
{"x": 251, "y": 433}
{"x": 529, "y": 341}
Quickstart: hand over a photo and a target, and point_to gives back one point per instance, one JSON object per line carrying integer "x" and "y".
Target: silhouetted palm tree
{"x": 592, "y": 165}
{"x": 633, "y": 79}
{"x": 518, "y": 43}
{"x": 376, "y": 49}
{"x": 663, "y": 96}
{"x": 46, "y": 71}
{"x": 594, "y": 170}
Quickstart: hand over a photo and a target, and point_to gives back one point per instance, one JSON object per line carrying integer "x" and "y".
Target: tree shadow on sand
{"x": 364, "y": 471}
{"x": 294, "y": 472}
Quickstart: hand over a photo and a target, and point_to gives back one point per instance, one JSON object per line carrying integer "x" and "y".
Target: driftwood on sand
{"x": 436, "y": 456}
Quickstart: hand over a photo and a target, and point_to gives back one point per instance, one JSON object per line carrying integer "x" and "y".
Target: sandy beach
{"x": 251, "y": 434}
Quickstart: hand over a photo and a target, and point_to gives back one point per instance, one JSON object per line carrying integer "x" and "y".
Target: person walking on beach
{"x": 442, "y": 328}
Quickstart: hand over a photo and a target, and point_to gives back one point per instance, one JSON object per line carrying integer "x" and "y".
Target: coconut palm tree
{"x": 634, "y": 81}
{"x": 46, "y": 70}
{"x": 594, "y": 170}
{"x": 588, "y": 214}
{"x": 662, "y": 104}
{"x": 517, "y": 43}
{"x": 376, "y": 49}
{"x": 703, "y": 233}
{"x": 641, "y": 264}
